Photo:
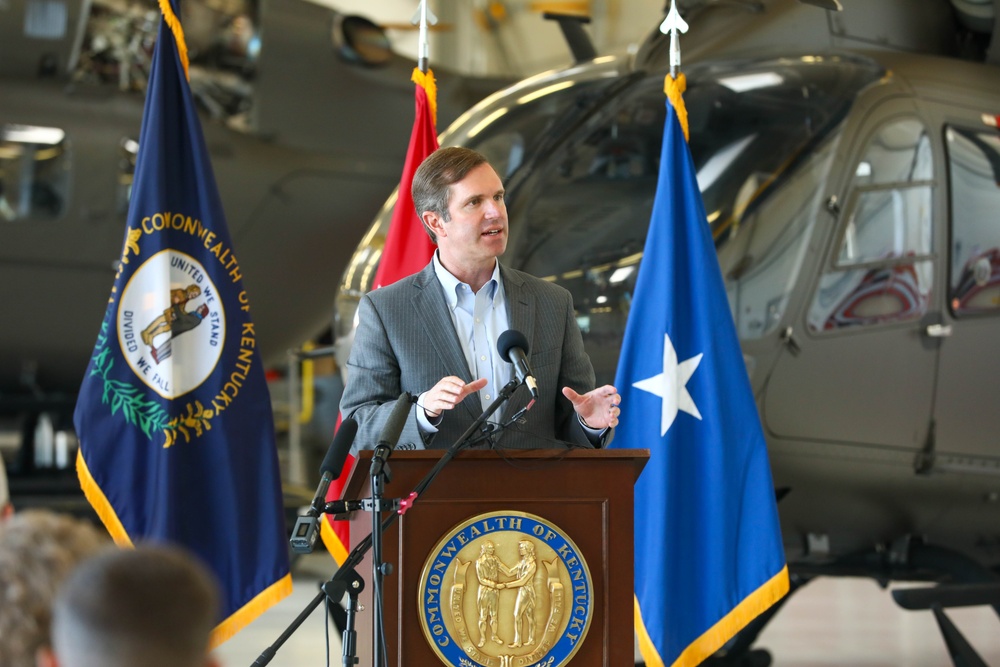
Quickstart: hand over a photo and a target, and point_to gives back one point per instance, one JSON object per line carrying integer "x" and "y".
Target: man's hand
{"x": 598, "y": 408}
{"x": 448, "y": 393}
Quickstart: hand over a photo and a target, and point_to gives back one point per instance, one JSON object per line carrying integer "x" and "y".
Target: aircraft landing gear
{"x": 757, "y": 657}
{"x": 975, "y": 586}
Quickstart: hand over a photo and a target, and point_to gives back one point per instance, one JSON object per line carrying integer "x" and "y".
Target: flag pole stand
{"x": 346, "y": 581}
{"x": 350, "y": 585}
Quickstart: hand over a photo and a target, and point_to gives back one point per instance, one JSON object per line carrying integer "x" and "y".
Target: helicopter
{"x": 849, "y": 162}
{"x": 299, "y": 181}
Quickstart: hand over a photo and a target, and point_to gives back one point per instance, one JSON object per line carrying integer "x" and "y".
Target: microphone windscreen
{"x": 333, "y": 463}
{"x": 397, "y": 421}
{"x": 509, "y": 340}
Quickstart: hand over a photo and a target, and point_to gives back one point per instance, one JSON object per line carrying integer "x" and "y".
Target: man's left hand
{"x": 598, "y": 408}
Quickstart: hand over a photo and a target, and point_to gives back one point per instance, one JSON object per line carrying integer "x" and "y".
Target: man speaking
{"x": 434, "y": 334}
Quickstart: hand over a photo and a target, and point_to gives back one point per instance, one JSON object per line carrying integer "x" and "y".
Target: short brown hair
{"x": 434, "y": 177}
{"x": 153, "y": 606}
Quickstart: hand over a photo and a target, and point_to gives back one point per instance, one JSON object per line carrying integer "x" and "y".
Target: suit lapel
{"x": 521, "y": 315}
{"x": 431, "y": 310}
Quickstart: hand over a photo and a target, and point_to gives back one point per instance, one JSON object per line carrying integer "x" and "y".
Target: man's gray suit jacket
{"x": 405, "y": 341}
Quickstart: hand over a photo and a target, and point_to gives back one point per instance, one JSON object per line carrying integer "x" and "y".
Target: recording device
{"x": 391, "y": 431}
{"x": 306, "y": 528}
{"x": 304, "y": 534}
{"x": 513, "y": 348}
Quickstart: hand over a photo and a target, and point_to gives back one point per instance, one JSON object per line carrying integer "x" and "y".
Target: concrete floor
{"x": 829, "y": 623}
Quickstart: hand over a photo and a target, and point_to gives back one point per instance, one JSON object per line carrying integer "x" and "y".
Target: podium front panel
{"x": 587, "y": 494}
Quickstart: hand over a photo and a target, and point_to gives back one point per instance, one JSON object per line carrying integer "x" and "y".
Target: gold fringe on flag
{"x": 250, "y": 611}
{"x": 425, "y": 81}
{"x": 674, "y": 89}
{"x": 174, "y": 24}
{"x": 95, "y": 496}
{"x": 228, "y": 627}
{"x": 712, "y": 639}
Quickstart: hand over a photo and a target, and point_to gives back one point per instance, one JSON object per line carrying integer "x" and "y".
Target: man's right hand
{"x": 446, "y": 394}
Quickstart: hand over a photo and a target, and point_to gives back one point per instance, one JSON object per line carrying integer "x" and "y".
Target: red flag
{"x": 407, "y": 250}
{"x": 407, "y": 246}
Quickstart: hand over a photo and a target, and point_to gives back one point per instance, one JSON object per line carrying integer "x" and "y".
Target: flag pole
{"x": 674, "y": 83}
{"x": 423, "y": 17}
{"x": 671, "y": 25}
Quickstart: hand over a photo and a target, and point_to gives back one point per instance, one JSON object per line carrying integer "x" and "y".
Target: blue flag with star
{"x": 709, "y": 555}
{"x": 173, "y": 415}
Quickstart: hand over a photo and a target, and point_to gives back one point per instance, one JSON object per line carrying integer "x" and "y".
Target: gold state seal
{"x": 505, "y": 589}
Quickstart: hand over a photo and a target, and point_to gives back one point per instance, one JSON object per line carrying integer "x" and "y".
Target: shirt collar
{"x": 451, "y": 283}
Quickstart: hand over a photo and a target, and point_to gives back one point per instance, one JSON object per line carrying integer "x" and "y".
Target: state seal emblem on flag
{"x": 170, "y": 305}
{"x": 505, "y": 589}
{"x": 170, "y": 374}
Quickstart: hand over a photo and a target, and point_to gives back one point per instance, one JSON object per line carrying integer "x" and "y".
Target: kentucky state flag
{"x": 174, "y": 417}
{"x": 708, "y": 549}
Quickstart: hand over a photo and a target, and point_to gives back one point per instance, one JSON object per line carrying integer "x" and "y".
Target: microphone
{"x": 333, "y": 462}
{"x": 306, "y": 527}
{"x": 391, "y": 431}
{"x": 513, "y": 348}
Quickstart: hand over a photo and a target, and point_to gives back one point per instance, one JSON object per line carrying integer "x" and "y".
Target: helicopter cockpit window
{"x": 34, "y": 172}
{"x": 510, "y": 136}
{"x": 974, "y": 165}
{"x": 883, "y": 269}
{"x": 581, "y": 220}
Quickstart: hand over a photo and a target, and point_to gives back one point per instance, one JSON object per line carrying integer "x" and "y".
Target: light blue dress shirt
{"x": 479, "y": 318}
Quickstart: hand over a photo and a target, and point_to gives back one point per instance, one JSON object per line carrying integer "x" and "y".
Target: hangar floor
{"x": 829, "y": 623}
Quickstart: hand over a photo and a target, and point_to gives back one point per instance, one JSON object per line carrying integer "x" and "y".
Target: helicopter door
{"x": 966, "y": 418}
{"x": 860, "y": 371}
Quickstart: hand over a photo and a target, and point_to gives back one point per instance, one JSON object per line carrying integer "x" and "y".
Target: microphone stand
{"x": 450, "y": 453}
{"x": 380, "y": 476}
{"x": 346, "y": 578}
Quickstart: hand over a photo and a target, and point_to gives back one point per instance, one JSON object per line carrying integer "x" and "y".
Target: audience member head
{"x": 153, "y": 606}
{"x": 434, "y": 177}
{"x": 38, "y": 549}
{"x": 6, "y": 508}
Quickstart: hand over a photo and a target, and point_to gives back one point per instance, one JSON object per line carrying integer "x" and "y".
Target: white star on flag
{"x": 671, "y": 385}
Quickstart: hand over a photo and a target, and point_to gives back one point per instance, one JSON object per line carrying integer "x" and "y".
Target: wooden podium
{"x": 587, "y": 493}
